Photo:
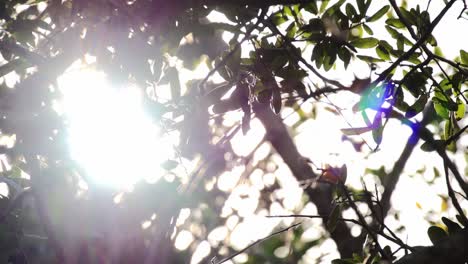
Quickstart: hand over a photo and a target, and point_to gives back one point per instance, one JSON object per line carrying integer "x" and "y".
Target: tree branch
{"x": 321, "y": 196}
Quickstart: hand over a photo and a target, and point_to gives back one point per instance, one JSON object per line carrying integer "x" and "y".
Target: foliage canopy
{"x": 263, "y": 60}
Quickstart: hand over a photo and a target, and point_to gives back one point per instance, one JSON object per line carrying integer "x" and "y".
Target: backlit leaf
{"x": 464, "y": 57}
{"x": 382, "y": 11}
{"x": 365, "y": 43}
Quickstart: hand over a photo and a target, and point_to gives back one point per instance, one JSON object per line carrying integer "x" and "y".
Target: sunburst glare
{"x": 109, "y": 133}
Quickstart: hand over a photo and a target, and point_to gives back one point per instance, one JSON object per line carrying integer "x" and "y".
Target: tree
{"x": 280, "y": 57}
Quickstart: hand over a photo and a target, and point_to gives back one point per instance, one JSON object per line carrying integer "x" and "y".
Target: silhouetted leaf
{"x": 428, "y": 147}
{"x": 333, "y": 218}
{"x": 311, "y": 7}
{"x": 355, "y": 130}
{"x": 345, "y": 55}
{"x": 417, "y": 107}
{"x": 452, "y": 227}
{"x": 276, "y": 101}
{"x": 436, "y": 234}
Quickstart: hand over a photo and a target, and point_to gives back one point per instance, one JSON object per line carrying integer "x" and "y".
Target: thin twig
{"x": 453, "y": 197}
{"x": 253, "y": 244}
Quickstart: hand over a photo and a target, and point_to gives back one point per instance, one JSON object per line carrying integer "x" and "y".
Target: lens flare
{"x": 109, "y": 133}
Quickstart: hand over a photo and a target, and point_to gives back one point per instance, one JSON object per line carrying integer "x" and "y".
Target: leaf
{"x": 291, "y": 30}
{"x": 329, "y": 58}
{"x": 276, "y": 101}
{"x": 345, "y": 55}
{"x": 279, "y": 19}
{"x": 342, "y": 261}
{"x": 428, "y": 147}
{"x": 460, "y": 219}
{"x": 436, "y": 234}
{"x": 452, "y": 227}
{"x": 368, "y": 29}
{"x": 333, "y": 218}
{"x": 364, "y": 43}
{"x": 394, "y": 22}
{"x": 464, "y": 57}
{"x": 362, "y": 7}
{"x": 440, "y": 109}
{"x": 369, "y": 59}
{"x": 169, "y": 165}
{"x": 415, "y": 82}
{"x": 355, "y": 130}
{"x": 382, "y": 52}
{"x": 378, "y": 129}
{"x": 324, "y": 5}
{"x": 350, "y": 10}
{"x": 378, "y": 14}
{"x": 317, "y": 55}
{"x": 311, "y": 7}
{"x": 417, "y": 107}
{"x": 461, "y": 108}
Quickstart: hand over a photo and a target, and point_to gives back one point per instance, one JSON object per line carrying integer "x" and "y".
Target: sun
{"x": 109, "y": 134}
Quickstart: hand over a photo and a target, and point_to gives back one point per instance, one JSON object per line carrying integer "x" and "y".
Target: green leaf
{"x": 464, "y": 57}
{"x": 345, "y": 55}
{"x": 362, "y": 7}
{"x": 365, "y": 43}
{"x": 329, "y": 58}
{"x": 350, "y": 11}
{"x": 279, "y": 19}
{"x": 291, "y": 30}
{"x": 394, "y": 22}
{"x": 368, "y": 29}
{"x": 393, "y": 33}
{"x": 378, "y": 14}
{"x": 436, "y": 234}
{"x": 440, "y": 109}
{"x": 324, "y": 5}
{"x": 311, "y": 7}
{"x": 369, "y": 59}
{"x": 317, "y": 54}
{"x": 382, "y": 52}
{"x": 460, "y": 113}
